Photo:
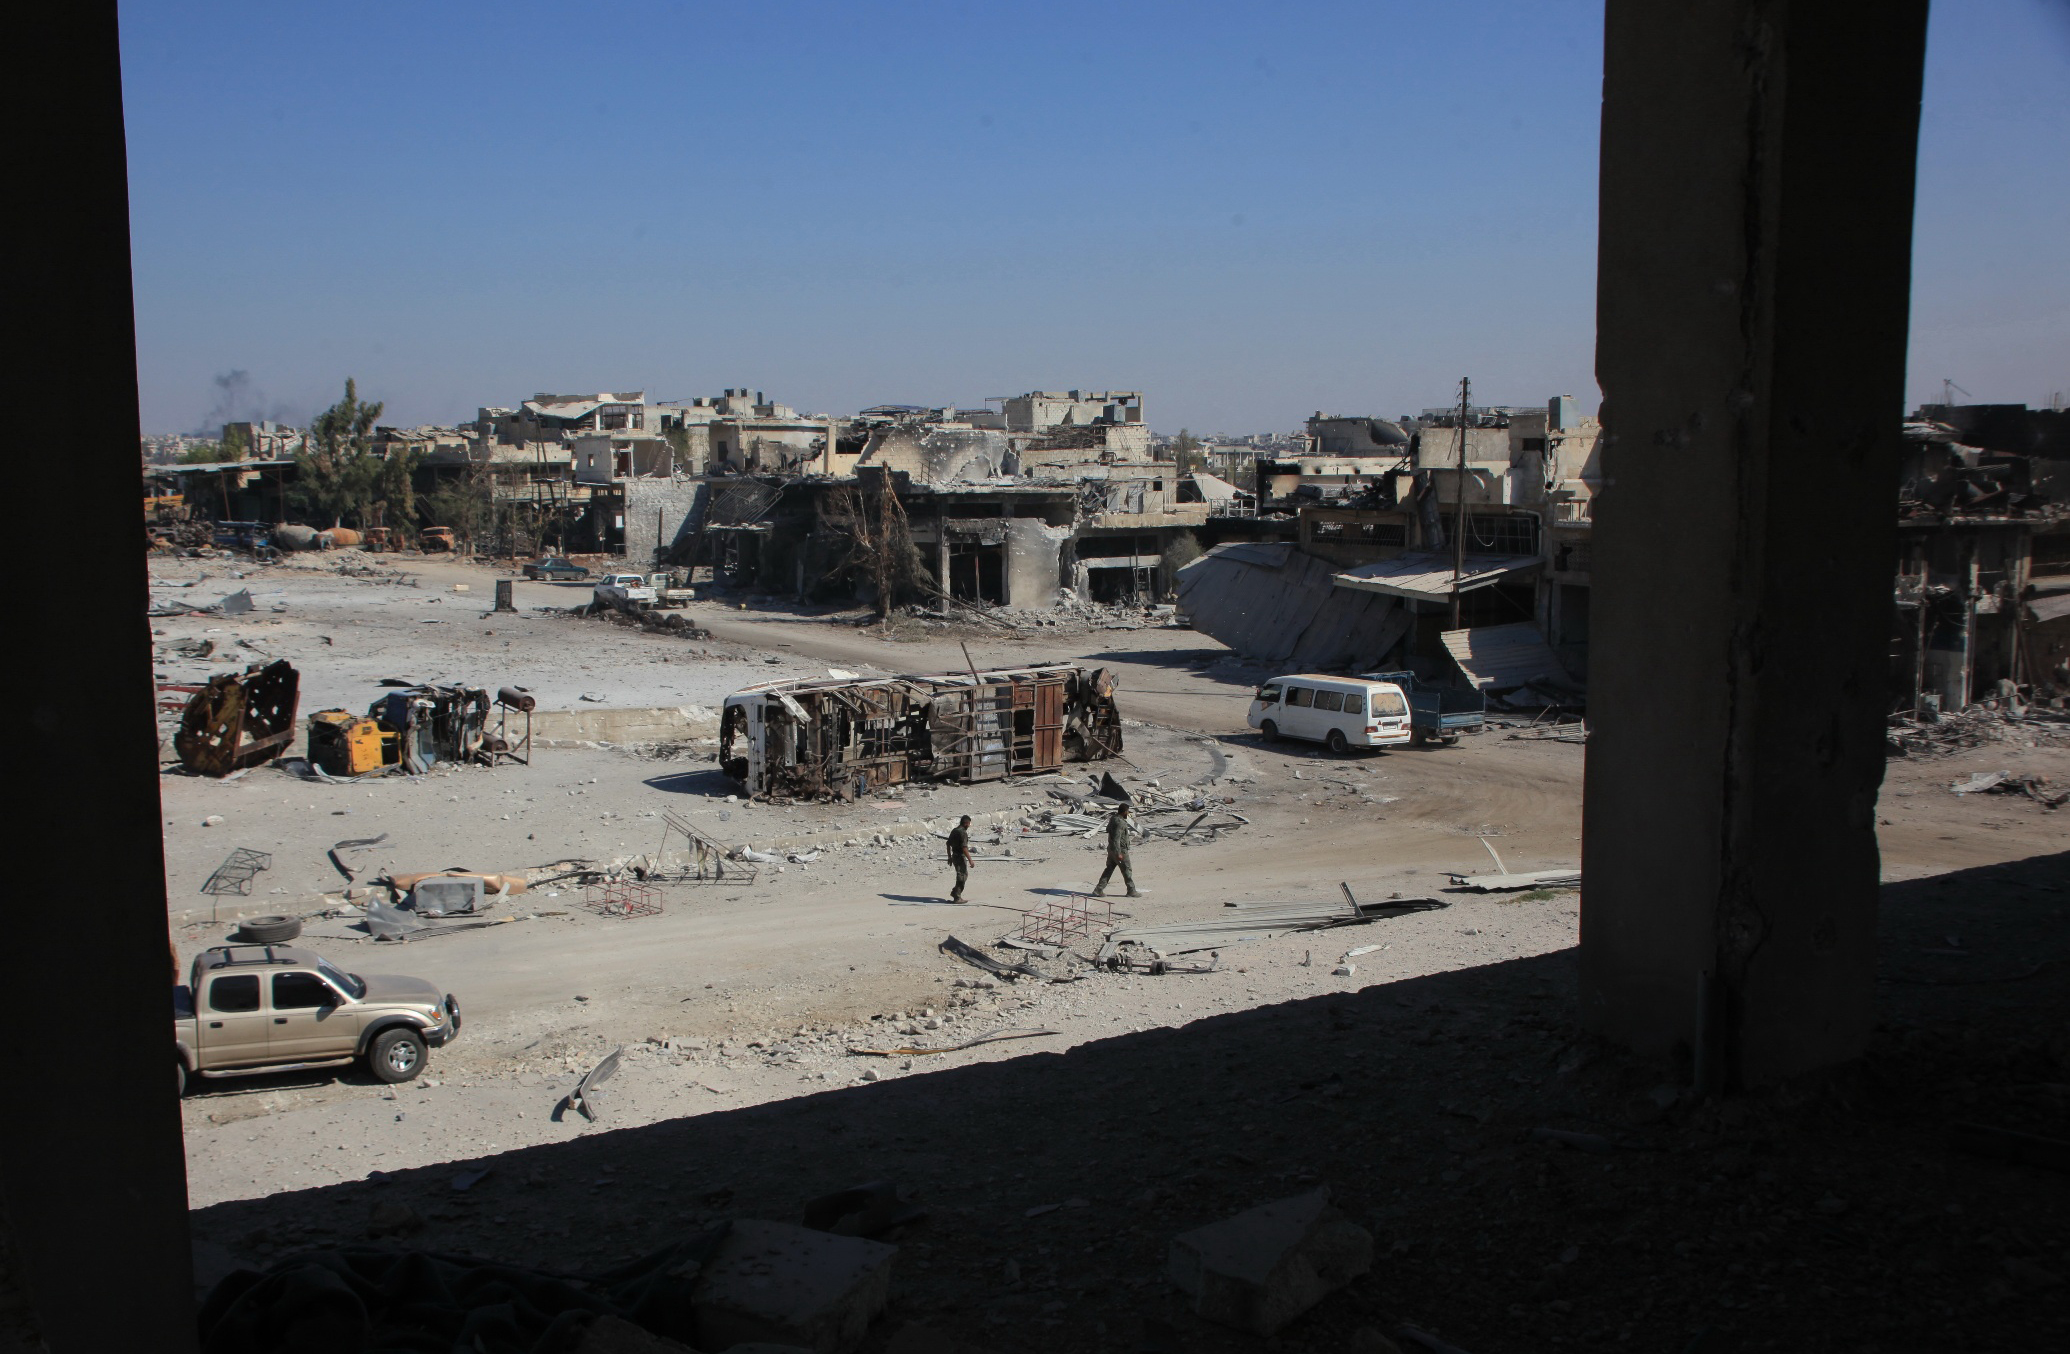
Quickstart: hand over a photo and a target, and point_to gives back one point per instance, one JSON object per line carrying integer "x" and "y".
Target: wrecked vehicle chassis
{"x": 838, "y": 738}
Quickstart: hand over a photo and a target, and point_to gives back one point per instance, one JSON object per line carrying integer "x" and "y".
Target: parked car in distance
{"x": 271, "y": 1008}
{"x": 554, "y": 568}
{"x": 1340, "y": 712}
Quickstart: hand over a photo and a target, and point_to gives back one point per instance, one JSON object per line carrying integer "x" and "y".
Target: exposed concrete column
{"x": 92, "y": 1173}
{"x": 1756, "y": 207}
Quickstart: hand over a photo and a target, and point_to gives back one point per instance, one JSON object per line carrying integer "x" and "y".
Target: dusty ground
{"x": 1182, "y": 1096}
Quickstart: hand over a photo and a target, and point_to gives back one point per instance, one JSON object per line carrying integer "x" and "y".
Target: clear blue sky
{"x": 1247, "y": 211}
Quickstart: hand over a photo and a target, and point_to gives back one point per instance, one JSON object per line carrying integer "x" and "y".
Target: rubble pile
{"x": 653, "y": 622}
{"x": 1974, "y": 728}
{"x": 1070, "y": 616}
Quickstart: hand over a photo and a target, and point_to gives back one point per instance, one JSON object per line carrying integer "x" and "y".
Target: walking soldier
{"x": 959, "y": 856}
{"x": 1117, "y": 854}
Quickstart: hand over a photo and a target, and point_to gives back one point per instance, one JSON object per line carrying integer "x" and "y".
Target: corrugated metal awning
{"x": 2049, "y": 606}
{"x": 1504, "y": 657}
{"x": 1428, "y": 577}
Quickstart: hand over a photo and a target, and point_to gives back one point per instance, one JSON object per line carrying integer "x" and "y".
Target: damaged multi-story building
{"x": 1056, "y": 495}
{"x": 1983, "y": 570}
{"x": 1374, "y": 574}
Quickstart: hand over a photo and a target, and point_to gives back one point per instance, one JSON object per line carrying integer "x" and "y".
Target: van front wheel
{"x": 1270, "y": 730}
{"x": 1336, "y": 742}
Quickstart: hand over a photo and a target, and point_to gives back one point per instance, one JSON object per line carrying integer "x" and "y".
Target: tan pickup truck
{"x": 269, "y": 1008}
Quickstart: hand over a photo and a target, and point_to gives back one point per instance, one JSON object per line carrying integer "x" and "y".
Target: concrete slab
{"x": 778, "y": 1283}
{"x": 1259, "y": 1270}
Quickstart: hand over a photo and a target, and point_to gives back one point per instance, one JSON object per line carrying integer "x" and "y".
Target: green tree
{"x": 1186, "y": 452}
{"x": 465, "y": 504}
{"x": 337, "y": 475}
{"x": 207, "y": 453}
{"x": 236, "y": 444}
{"x": 678, "y": 439}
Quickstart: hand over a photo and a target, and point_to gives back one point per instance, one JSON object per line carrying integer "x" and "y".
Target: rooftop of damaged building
{"x": 574, "y": 406}
{"x": 1986, "y": 463}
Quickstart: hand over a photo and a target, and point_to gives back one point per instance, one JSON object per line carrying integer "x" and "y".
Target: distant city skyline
{"x": 1247, "y": 214}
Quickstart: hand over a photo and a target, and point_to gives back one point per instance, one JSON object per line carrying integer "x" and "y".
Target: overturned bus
{"x": 838, "y": 738}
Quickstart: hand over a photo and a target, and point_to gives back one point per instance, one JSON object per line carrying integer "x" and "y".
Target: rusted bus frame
{"x": 862, "y": 736}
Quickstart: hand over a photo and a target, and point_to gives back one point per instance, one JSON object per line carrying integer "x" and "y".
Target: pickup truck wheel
{"x": 269, "y": 930}
{"x": 1270, "y": 730}
{"x": 396, "y": 1055}
{"x": 1335, "y": 742}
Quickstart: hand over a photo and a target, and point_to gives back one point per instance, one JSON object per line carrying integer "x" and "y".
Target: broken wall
{"x": 658, "y": 514}
{"x": 934, "y": 454}
{"x": 1034, "y": 561}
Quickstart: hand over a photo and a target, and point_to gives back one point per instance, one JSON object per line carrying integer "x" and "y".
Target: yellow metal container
{"x": 344, "y": 744}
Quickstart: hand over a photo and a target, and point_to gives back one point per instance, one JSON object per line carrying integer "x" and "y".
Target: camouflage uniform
{"x": 959, "y": 856}
{"x": 1117, "y": 855}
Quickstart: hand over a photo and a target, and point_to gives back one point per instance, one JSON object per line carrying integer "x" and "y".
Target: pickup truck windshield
{"x": 349, "y": 983}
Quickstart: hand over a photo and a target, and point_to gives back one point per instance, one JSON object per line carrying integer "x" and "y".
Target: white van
{"x": 1343, "y": 712}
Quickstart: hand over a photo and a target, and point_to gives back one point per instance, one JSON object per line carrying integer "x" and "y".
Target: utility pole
{"x": 1459, "y": 522}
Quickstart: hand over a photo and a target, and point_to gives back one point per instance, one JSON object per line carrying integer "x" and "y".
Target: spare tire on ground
{"x": 268, "y": 930}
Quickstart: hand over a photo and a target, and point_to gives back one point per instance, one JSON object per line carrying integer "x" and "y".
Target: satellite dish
{"x": 1387, "y": 434}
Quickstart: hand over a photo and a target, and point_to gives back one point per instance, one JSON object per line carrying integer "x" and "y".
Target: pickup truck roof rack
{"x": 235, "y": 955}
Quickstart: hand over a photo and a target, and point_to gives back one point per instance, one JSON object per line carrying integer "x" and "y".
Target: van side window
{"x": 1329, "y": 700}
{"x": 1268, "y": 694}
{"x": 1354, "y": 702}
{"x": 1390, "y": 704}
{"x": 239, "y": 992}
{"x": 1299, "y": 696}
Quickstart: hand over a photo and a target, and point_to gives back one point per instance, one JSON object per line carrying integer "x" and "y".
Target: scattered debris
{"x": 583, "y": 1099}
{"x": 1510, "y": 883}
{"x": 234, "y": 875}
{"x": 1906, "y": 736}
{"x": 352, "y": 844}
{"x": 1255, "y": 921}
{"x": 385, "y": 921}
{"x": 701, "y": 861}
{"x": 971, "y": 955}
{"x": 999, "y": 1037}
{"x": 1259, "y": 1270}
{"x": 626, "y": 898}
{"x": 2034, "y": 787}
{"x": 238, "y": 720}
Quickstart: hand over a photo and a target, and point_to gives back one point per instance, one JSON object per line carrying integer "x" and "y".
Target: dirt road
{"x": 824, "y": 945}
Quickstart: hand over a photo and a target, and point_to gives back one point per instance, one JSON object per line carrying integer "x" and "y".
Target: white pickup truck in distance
{"x": 636, "y": 589}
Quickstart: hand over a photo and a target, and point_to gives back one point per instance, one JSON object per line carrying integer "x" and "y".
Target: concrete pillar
{"x": 92, "y": 1176}
{"x": 1755, "y": 253}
